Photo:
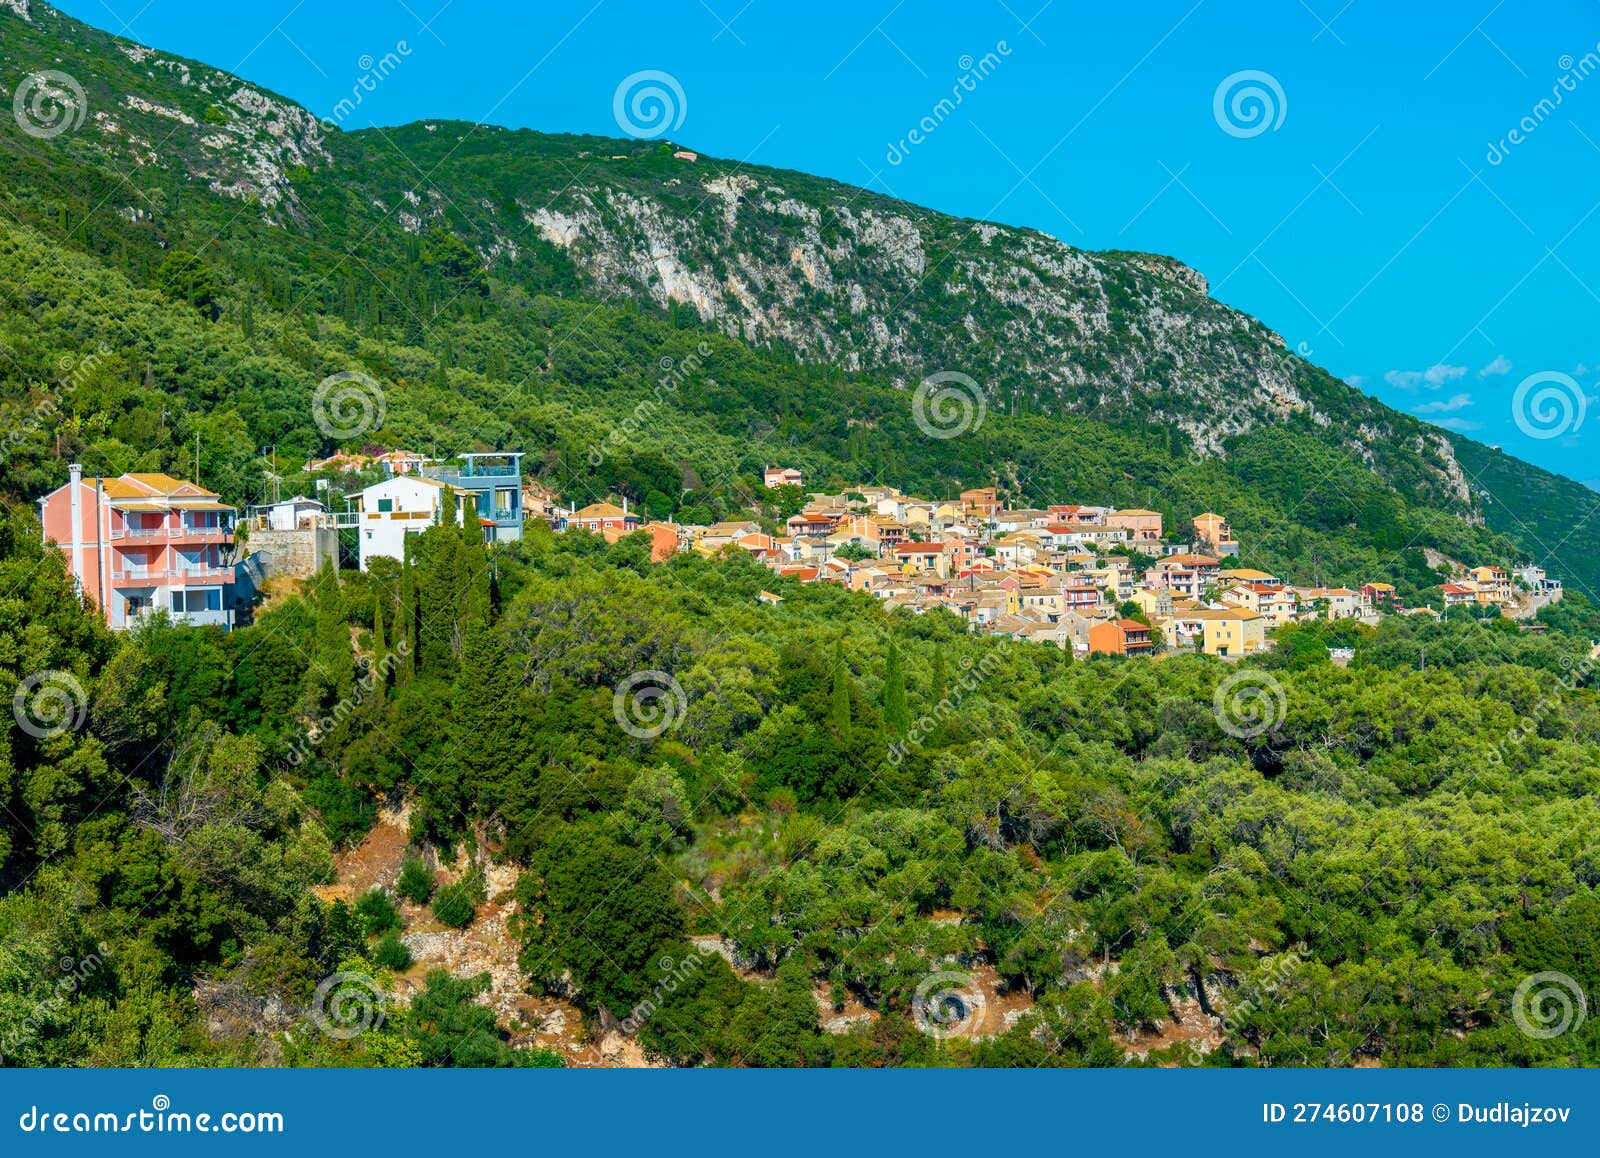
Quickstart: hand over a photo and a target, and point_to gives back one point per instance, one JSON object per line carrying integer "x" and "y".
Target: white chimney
{"x": 75, "y": 482}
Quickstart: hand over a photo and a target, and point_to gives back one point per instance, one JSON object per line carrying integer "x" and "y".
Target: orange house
{"x": 983, "y": 502}
{"x": 598, "y": 517}
{"x": 1121, "y": 637}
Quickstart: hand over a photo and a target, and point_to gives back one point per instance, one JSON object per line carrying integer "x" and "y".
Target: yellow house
{"x": 1275, "y": 603}
{"x": 1153, "y": 601}
{"x": 923, "y": 558}
{"x": 1494, "y": 585}
{"x": 1233, "y": 633}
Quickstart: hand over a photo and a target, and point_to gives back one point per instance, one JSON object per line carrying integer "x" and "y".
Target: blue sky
{"x": 1406, "y": 212}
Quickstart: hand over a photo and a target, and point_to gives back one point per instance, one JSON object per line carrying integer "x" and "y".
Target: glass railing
{"x": 162, "y": 574}
{"x": 479, "y": 470}
{"x": 169, "y": 532}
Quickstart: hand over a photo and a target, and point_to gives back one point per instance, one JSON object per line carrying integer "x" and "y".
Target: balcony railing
{"x": 182, "y": 532}
{"x": 151, "y": 575}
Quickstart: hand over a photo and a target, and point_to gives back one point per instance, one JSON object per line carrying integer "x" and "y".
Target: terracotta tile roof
{"x": 600, "y": 511}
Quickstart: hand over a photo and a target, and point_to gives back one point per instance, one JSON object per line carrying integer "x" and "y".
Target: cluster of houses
{"x": 1068, "y": 575}
{"x": 1064, "y": 574}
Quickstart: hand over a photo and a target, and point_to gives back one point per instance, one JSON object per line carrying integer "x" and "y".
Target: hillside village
{"x": 1091, "y": 579}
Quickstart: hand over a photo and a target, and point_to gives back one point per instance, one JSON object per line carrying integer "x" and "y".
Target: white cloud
{"x": 1500, "y": 365}
{"x": 1433, "y": 377}
{"x": 1445, "y": 405}
{"x": 1356, "y": 380}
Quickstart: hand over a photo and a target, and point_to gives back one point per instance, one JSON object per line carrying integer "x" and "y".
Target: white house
{"x": 400, "y": 506}
{"x": 289, "y": 514}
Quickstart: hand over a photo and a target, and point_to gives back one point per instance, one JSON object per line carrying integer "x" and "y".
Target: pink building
{"x": 143, "y": 543}
{"x": 781, "y": 476}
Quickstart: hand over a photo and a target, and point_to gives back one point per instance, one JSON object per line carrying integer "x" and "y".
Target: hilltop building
{"x": 782, "y": 476}
{"x": 1213, "y": 535}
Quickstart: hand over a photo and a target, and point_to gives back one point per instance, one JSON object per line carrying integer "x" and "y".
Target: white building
{"x": 397, "y": 507}
{"x": 287, "y": 515}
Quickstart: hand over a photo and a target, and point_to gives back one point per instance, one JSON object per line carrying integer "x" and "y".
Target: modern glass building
{"x": 495, "y": 477}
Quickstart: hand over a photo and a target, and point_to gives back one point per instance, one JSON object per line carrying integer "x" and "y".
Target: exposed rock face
{"x": 838, "y": 276}
{"x": 168, "y": 113}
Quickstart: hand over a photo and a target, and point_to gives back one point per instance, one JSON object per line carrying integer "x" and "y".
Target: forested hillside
{"x": 1395, "y": 853}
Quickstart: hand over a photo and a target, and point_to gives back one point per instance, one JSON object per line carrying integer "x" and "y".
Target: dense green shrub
{"x": 416, "y": 881}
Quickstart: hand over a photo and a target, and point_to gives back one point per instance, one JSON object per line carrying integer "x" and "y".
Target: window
{"x": 385, "y": 506}
{"x": 184, "y": 602}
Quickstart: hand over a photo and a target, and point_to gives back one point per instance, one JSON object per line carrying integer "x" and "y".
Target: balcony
{"x": 176, "y": 534}
{"x": 204, "y": 575}
{"x": 507, "y": 464}
{"x": 138, "y": 577}
{"x": 159, "y": 576}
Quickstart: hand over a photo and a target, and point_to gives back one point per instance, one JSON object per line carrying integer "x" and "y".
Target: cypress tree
{"x": 336, "y": 659}
{"x": 407, "y": 632}
{"x": 380, "y": 649}
{"x": 841, "y": 694}
{"x": 896, "y": 715}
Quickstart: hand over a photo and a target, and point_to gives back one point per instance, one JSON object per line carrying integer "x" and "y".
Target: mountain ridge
{"x": 832, "y": 275}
